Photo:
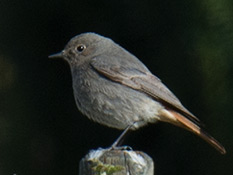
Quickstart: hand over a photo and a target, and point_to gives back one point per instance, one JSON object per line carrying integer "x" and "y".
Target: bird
{"x": 113, "y": 87}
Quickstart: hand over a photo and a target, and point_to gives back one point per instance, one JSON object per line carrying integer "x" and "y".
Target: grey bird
{"x": 114, "y": 88}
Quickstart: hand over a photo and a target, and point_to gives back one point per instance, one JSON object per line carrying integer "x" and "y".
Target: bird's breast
{"x": 111, "y": 103}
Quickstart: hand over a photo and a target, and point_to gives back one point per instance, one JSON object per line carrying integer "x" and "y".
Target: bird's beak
{"x": 57, "y": 55}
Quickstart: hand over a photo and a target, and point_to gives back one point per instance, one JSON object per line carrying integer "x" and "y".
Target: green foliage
{"x": 105, "y": 169}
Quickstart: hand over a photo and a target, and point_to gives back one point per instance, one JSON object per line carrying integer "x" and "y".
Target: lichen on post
{"x": 116, "y": 162}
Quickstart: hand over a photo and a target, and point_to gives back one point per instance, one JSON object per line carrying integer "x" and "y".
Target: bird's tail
{"x": 178, "y": 119}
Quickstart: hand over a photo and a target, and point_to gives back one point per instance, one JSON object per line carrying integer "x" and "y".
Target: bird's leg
{"x": 119, "y": 139}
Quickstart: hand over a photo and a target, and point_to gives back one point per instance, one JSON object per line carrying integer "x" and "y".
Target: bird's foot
{"x": 125, "y": 147}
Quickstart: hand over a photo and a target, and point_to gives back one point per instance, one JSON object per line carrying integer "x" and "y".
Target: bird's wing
{"x": 136, "y": 76}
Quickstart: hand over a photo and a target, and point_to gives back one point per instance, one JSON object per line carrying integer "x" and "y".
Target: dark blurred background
{"x": 188, "y": 44}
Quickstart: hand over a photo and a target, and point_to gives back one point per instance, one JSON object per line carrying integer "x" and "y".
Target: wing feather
{"x": 139, "y": 78}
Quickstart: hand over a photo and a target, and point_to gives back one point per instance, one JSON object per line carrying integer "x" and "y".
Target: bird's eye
{"x": 80, "y": 47}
